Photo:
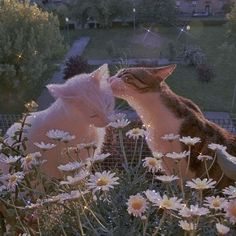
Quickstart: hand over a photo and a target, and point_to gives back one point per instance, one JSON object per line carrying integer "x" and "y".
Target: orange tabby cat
{"x": 164, "y": 112}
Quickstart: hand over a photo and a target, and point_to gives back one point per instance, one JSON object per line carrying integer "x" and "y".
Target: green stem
{"x": 160, "y": 224}
{"x": 123, "y": 149}
{"x": 188, "y": 163}
{"x": 135, "y": 147}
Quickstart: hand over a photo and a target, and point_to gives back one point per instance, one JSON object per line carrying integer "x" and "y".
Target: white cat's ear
{"x": 161, "y": 73}
{"x": 57, "y": 90}
{"x": 102, "y": 73}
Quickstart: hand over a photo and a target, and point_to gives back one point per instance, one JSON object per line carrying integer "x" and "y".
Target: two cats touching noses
{"x": 84, "y": 103}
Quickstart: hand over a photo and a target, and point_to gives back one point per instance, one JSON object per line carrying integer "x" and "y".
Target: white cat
{"x": 82, "y": 104}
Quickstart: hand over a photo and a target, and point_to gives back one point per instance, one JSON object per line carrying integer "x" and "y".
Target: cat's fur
{"x": 82, "y": 107}
{"x": 164, "y": 112}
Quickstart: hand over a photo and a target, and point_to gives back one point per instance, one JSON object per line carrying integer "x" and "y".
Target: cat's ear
{"x": 161, "y": 73}
{"x": 57, "y": 90}
{"x": 101, "y": 74}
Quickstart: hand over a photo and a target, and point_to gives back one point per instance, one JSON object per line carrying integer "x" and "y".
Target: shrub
{"x": 74, "y": 66}
{"x": 193, "y": 55}
{"x": 205, "y": 72}
{"x": 29, "y": 39}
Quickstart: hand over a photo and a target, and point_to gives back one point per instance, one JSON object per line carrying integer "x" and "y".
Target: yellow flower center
{"x": 103, "y": 181}
{"x": 12, "y": 178}
{"x": 166, "y": 203}
{"x": 152, "y": 162}
{"x": 216, "y": 203}
{"x": 135, "y": 131}
{"x": 137, "y": 204}
{"x": 28, "y": 158}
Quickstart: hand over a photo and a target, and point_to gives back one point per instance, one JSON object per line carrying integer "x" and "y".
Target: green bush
{"x": 29, "y": 40}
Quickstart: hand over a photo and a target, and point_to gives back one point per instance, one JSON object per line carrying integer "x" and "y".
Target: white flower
{"x": 2, "y": 188}
{"x": 186, "y": 225}
{"x": 230, "y": 209}
{"x": 57, "y": 134}
{"x": 102, "y": 181}
{"x": 99, "y": 157}
{"x": 73, "y": 195}
{"x": 137, "y": 205}
{"x": 177, "y": 156}
{"x": 153, "y": 164}
{"x": 71, "y": 166}
{"x": 10, "y": 159}
{"x": 201, "y": 157}
{"x": 117, "y": 116}
{"x": 166, "y": 178}
{"x": 216, "y": 203}
{"x": 12, "y": 180}
{"x": 86, "y": 145}
{"x": 222, "y": 229}
{"x": 214, "y": 147}
{"x": 27, "y": 162}
{"x": 157, "y": 155}
{"x": 67, "y": 138}
{"x": 44, "y": 146}
{"x": 230, "y": 191}
{"x": 119, "y": 123}
{"x": 163, "y": 202}
{"x": 190, "y": 141}
{"x": 136, "y": 133}
{"x": 152, "y": 195}
{"x": 170, "y": 137}
{"x": 193, "y": 211}
{"x": 201, "y": 184}
{"x": 76, "y": 179}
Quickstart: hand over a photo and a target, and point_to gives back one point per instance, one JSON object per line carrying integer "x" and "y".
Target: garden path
{"x": 78, "y": 47}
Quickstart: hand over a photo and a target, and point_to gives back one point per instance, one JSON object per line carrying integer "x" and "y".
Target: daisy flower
{"x": 12, "y": 180}
{"x": 76, "y": 179}
{"x": 187, "y": 226}
{"x": 45, "y": 146}
{"x": 71, "y": 166}
{"x": 167, "y": 178}
{"x": 86, "y": 145}
{"x": 201, "y": 184}
{"x": 172, "y": 203}
{"x": 136, "y": 133}
{"x": 222, "y": 229}
{"x": 137, "y": 205}
{"x": 153, "y": 164}
{"x": 230, "y": 209}
{"x": 10, "y": 159}
{"x": 170, "y": 137}
{"x": 216, "y": 203}
{"x": 102, "y": 181}
{"x": 201, "y": 157}
{"x": 99, "y": 157}
{"x": 190, "y": 141}
{"x": 152, "y": 195}
{"x": 157, "y": 155}
{"x": 27, "y": 162}
{"x": 214, "y": 147}
{"x": 194, "y": 210}
{"x": 67, "y": 138}
{"x": 178, "y": 156}
{"x": 57, "y": 134}
{"x": 119, "y": 123}
{"x": 230, "y": 191}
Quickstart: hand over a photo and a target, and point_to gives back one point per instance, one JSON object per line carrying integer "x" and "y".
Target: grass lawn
{"x": 214, "y": 96}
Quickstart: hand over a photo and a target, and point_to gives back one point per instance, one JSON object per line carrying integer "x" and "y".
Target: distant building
{"x": 204, "y": 7}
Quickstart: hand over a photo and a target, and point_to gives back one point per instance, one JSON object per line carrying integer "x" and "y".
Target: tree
{"x": 157, "y": 11}
{"x": 231, "y": 26}
{"x": 29, "y": 40}
{"x": 102, "y": 11}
